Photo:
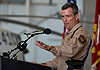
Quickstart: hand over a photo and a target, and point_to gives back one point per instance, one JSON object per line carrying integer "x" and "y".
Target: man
{"x": 75, "y": 44}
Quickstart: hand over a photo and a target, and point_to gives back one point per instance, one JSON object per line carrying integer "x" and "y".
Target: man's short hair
{"x": 71, "y": 5}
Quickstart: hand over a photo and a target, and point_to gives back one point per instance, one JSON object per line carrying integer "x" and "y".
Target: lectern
{"x": 11, "y": 64}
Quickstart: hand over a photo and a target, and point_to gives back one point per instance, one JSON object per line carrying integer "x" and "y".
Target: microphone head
{"x": 47, "y": 31}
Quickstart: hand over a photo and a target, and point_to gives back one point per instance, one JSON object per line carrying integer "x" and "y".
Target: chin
{"x": 66, "y": 27}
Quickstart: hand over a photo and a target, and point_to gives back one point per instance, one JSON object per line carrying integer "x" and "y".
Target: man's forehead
{"x": 68, "y": 10}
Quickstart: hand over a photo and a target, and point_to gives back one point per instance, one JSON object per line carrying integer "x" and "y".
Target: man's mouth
{"x": 66, "y": 24}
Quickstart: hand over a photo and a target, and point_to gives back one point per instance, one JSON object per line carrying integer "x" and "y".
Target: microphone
{"x": 46, "y": 31}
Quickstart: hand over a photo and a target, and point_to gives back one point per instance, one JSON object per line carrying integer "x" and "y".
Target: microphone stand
{"x": 14, "y": 55}
{"x": 6, "y": 54}
{"x": 20, "y": 46}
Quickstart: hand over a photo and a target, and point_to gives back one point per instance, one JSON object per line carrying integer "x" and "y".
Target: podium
{"x": 11, "y": 64}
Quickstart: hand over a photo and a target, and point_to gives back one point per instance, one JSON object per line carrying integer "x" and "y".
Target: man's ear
{"x": 77, "y": 16}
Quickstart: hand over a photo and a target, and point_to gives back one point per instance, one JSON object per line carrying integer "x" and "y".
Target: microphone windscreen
{"x": 47, "y": 31}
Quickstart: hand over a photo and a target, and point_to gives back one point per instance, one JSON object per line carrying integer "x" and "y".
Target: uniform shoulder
{"x": 82, "y": 32}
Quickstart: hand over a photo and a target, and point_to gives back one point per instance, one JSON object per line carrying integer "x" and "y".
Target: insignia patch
{"x": 82, "y": 39}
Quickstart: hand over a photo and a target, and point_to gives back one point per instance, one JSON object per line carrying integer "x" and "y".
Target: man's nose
{"x": 65, "y": 19}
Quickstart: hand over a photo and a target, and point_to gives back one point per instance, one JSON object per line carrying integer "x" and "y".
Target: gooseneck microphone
{"x": 22, "y": 45}
{"x": 46, "y": 31}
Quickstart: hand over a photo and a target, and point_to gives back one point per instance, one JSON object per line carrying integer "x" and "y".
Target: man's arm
{"x": 46, "y": 47}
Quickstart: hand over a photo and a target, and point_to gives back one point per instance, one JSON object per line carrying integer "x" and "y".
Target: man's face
{"x": 68, "y": 18}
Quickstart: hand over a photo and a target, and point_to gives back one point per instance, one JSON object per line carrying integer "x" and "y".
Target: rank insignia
{"x": 82, "y": 39}
{"x": 68, "y": 38}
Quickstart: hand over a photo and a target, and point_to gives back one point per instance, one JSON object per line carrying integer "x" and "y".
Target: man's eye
{"x": 62, "y": 16}
{"x": 68, "y": 16}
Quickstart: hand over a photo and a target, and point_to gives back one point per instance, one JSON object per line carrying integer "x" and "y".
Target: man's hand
{"x": 46, "y": 47}
{"x": 41, "y": 45}
{"x": 44, "y": 64}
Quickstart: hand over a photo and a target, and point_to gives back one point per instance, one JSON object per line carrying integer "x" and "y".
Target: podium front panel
{"x": 10, "y": 64}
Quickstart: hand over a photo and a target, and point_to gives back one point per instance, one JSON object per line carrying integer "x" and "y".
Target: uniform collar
{"x": 74, "y": 28}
